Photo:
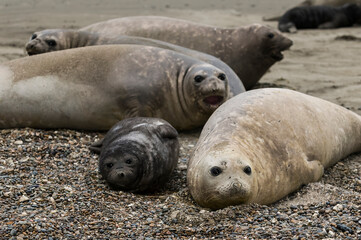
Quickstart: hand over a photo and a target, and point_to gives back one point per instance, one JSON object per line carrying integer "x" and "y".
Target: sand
{"x": 317, "y": 64}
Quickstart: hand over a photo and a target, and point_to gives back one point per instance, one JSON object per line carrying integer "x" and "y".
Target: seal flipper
{"x": 167, "y": 131}
{"x": 316, "y": 170}
{"x": 97, "y": 146}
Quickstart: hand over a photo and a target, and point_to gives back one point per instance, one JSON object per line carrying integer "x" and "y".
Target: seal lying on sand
{"x": 93, "y": 88}
{"x": 319, "y": 17}
{"x": 250, "y": 51}
{"x": 264, "y": 144}
{"x": 333, "y": 3}
{"x": 138, "y": 154}
{"x": 60, "y": 39}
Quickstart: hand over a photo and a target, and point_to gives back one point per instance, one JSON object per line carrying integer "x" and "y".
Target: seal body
{"x": 60, "y": 39}
{"x": 93, "y": 88}
{"x": 138, "y": 154}
{"x": 250, "y": 51}
{"x": 264, "y": 144}
{"x": 306, "y": 17}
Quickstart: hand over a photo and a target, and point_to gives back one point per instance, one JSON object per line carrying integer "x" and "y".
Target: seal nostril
{"x": 121, "y": 175}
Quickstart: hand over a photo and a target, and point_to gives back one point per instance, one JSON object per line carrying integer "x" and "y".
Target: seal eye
{"x": 215, "y": 171}
{"x": 110, "y": 165}
{"x": 128, "y": 161}
{"x": 198, "y": 78}
{"x": 270, "y": 35}
{"x": 247, "y": 170}
{"x": 33, "y": 36}
{"x": 51, "y": 42}
{"x": 222, "y": 76}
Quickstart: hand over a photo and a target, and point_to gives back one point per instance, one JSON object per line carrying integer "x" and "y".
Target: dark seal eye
{"x": 215, "y": 171}
{"x": 128, "y": 161}
{"x": 33, "y": 36}
{"x": 198, "y": 78}
{"x": 222, "y": 76}
{"x": 270, "y": 35}
{"x": 110, "y": 165}
{"x": 51, "y": 42}
{"x": 247, "y": 170}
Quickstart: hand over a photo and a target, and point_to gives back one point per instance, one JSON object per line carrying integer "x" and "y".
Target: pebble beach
{"x": 50, "y": 187}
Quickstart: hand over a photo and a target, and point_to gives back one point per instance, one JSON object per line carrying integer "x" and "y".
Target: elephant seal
{"x": 93, "y": 88}
{"x": 138, "y": 154}
{"x": 333, "y": 3}
{"x": 250, "y": 51}
{"x": 60, "y": 39}
{"x": 266, "y": 143}
{"x": 322, "y": 17}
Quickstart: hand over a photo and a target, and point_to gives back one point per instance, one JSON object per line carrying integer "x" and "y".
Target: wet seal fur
{"x": 250, "y": 51}
{"x": 322, "y": 17}
{"x": 60, "y": 39}
{"x": 266, "y": 143}
{"x": 93, "y": 88}
{"x": 138, "y": 154}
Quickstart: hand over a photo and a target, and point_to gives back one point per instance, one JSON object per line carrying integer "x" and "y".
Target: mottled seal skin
{"x": 138, "y": 154}
{"x": 93, "y": 88}
{"x": 250, "y": 51}
{"x": 322, "y": 17}
{"x": 60, "y": 39}
{"x": 264, "y": 144}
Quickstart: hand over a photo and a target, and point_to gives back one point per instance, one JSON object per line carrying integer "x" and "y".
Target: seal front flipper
{"x": 97, "y": 146}
{"x": 315, "y": 171}
{"x": 166, "y": 131}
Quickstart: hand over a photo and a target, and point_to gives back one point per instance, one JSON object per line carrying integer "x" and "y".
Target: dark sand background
{"x": 317, "y": 64}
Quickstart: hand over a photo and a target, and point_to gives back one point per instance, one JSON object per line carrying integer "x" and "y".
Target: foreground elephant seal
{"x": 138, "y": 154}
{"x": 264, "y": 144}
{"x": 250, "y": 51}
{"x": 60, "y": 39}
{"x": 323, "y": 17}
{"x": 93, "y": 88}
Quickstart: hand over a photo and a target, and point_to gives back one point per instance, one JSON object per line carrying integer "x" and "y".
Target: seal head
{"x": 227, "y": 179}
{"x": 206, "y": 87}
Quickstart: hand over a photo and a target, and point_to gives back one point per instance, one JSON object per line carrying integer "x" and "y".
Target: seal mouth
{"x": 214, "y": 100}
{"x": 278, "y": 56}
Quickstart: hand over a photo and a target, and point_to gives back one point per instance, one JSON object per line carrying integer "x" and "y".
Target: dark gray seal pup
{"x": 333, "y": 3}
{"x": 264, "y": 144}
{"x": 60, "y": 39}
{"x": 138, "y": 154}
{"x": 250, "y": 51}
{"x": 92, "y": 88}
{"x": 322, "y": 17}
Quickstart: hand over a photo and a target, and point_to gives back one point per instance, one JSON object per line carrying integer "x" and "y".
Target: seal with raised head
{"x": 93, "y": 88}
{"x": 138, "y": 154}
{"x": 322, "y": 17}
{"x": 60, "y": 39}
{"x": 250, "y": 51}
{"x": 264, "y": 144}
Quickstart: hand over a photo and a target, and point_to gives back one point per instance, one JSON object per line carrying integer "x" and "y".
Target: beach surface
{"x": 50, "y": 187}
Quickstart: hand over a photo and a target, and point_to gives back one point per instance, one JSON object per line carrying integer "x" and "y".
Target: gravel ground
{"x": 50, "y": 188}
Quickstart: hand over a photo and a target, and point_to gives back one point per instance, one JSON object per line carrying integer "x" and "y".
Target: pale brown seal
{"x": 138, "y": 154}
{"x": 250, "y": 51}
{"x": 264, "y": 144}
{"x": 93, "y": 88}
{"x": 60, "y": 39}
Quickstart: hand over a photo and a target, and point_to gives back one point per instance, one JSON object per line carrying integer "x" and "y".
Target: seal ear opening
{"x": 167, "y": 131}
{"x": 97, "y": 146}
